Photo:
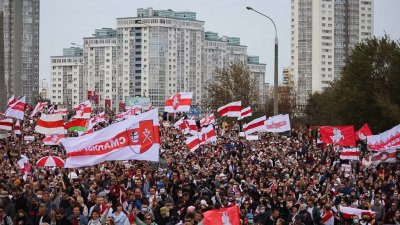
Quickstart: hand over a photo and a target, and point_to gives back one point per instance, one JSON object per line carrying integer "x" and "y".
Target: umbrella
{"x": 50, "y": 161}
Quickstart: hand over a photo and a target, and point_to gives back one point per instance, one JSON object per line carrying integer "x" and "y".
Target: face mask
{"x": 92, "y": 178}
{"x": 145, "y": 210}
{"x": 39, "y": 196}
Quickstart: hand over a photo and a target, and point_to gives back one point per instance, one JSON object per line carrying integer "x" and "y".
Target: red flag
{"x": 107, "y": 103}
{"x": 363, "y": 132}
{"x": 340, "y": 135}
{"x": 230, "y": 215}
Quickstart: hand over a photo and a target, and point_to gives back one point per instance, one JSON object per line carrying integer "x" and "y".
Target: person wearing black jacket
{"x": 61, "y": 219}
{"x": 20, "y": 202}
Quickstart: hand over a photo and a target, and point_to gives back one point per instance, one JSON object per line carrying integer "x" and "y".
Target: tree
{"x": 230, "y": 84}
{"x": 368, "y": 90}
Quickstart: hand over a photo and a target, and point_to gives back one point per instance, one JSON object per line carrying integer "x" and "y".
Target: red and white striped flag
{"x": 192, "y": 143}
{"x": 328, "y": 218}
{"x": 211, "y": 119}
{"x": 257, "y": 125}
{"x": 179, "y": 103}
{"x": 24, "y": 165}
{"x": 245, "y": 112}
{"x": 50, "y": 124}
{"x": 50, "y": 110}
{"x": 208, "y": 134}
{"x": 187, "y": 126}
{"x": 348, "y": 212}
{"x": 17, "y": 110}
{"x": 38, "y": 108}
{"x": 17, "y": 128}
{"x": 384, "y": 156}
{"x": 350, "y": 154}
{"x": 203, "y": 121}
{"x": 101, "y": 117}
{"x": 11, "y": 101}
{"x": 53, "y": 139}
{"x": 6, "y": 124}
{"x": 83, "y": 110}
{"x": 63, "y": 112}
{"x": 232, "y": 109}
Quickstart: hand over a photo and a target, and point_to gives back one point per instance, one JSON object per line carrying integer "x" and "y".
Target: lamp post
{"x": 276, "y": 61}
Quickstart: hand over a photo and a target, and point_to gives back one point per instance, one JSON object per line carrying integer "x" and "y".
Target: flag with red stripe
{"x": 17, "y": 110}
{"x": 245, "y": 112}
{"x": 257, "y": 125}
{"x": 350, "y": 154}
{"x": 17, "y": 128}
{"x": 232, "y": 109}
{"x": 11, "y": 101}
{"x": 53, "y": 139}
{"x": 38, "y": 108}
{"x": 179, "y": 103}
{"x": 348, "y": 212}
{"x": 83, "y": 110}
{"x": 50, "y": 124}
{"x": 363, "y": 132}
{"x": 192, "y": 143}
{"x": 208, "y": 134}
{"x": 6, "y": 124}
{"x": 384, "y": 156}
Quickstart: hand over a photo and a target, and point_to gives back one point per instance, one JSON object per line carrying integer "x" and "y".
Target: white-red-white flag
{"x": 83, "y": 110}
{"x": 278, "y": 123}
{"x": 207, "y": 134}
{"x": 50, "y": 110}
{"x": 192, "y": 143}
{"x": 257, "y": 125}
{"x": 136, "y": 138}
{"x": 101, "y": 117}
{"x": 63, "y": 112}
{"x": 17, "y": 109}
{"x": 211, "y": 119}
{"x": 245, "y": 112}
{"x": 11, "y": 101}
{"x": 187, "y": 126}
{"x": 348, "y": 212}
{"x": 232, "y": 109}
{"x": 124, "y": 115}
{"x": 53, "y": 139}
{"x": 203, "y": 121}
{"x": 384, "y": 156}
{"x": 38, "y": 108}
{"x": 179, "y": 103}
{"x": 350, "y": 154}
{"x": 50, "y": 124}
{"x": 386, "y": 140}
{"x": 6, "y": 124}
{"x": 24, "y": 165}
{"x": 17, "y": 128}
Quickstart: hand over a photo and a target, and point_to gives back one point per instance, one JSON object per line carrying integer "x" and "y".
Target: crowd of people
{"x": 278, "y": 179}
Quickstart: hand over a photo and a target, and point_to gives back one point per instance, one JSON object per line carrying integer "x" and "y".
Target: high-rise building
{"x": 21, "y": 49}
{"x": 287, "y": 76}
{"x": 66, "y": 89}
{"x": 323, "y": 35}
{"x": 100, "y": 68}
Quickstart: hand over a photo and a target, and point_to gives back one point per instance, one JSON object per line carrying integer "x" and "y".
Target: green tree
{"x": 367, "y": 92}
{"x": 230, "y": 84}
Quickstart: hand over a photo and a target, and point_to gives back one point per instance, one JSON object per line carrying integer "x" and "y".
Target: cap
{"x": 203, "y": 202}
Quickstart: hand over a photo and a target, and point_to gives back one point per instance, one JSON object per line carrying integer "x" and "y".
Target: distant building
{"x": 19, "y": 49}
{"x": 288, "y": 76}
{"x": 323, "y": 35}
{"x": 66, "y": 87}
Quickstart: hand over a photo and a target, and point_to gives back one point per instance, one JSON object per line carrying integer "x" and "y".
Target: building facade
{"x": 100, "y": 68}
{"x": 66, "y": 89}
{"x": 323, "y": 33}
{"x": 21, "y": 49}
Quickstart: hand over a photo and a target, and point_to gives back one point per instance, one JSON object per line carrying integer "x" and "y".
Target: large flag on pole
{"x": 232, "y": 109}
{"x": 50, "y": 124}
{"x": 17, "y": 110}
{"x": 339, "y": 135}
{"x": 179, "y": 103}
{"x": 83, "y": 110}
{"x": 245, "y": 112}
{"x": 11, "y": 101}
{"x": 136, "y": 138}
{"x": 256, "y": 125}
{"x": 76, "y": 125}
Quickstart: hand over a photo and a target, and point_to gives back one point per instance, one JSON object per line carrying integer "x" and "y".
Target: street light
{"x": 276, "y": 61}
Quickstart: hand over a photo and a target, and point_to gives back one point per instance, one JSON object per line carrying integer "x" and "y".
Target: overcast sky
{"x": 66, "y": 21}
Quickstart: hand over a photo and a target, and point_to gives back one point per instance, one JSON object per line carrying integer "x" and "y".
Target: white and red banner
{"x": 124, "y": 115}
{"x": 53, "y": 139}
{"x": 222, "y": 216}
{"x": 348, "y": 212}
{"x": 17, "y": 109}
{"x": 50, "y": 124}
{"x": 63, "y": 112}
{"x": 187, "y": 126}
{"x": 338, "y": 135}
{"x": 278, "y": 123}
{"x": 179, "y": 103}
{"x": 101, "y": 117}
{"x": 38, "y": 108}
{"x": 327, "y": 218}
{"x": 232, "y": 109}
{"x": 11, "y": 101}
{"x": 350, "y": 154}
{"x": 6, "y": 124}
{"x": 83, "y": 110}
{"x": 51, "y": 110}
{"x": 207, "y": 120}
{"x": 136, "y": 138}
{"x": 257, "y": 125}
{"x": 17, "y": 128}
{"x": 245, "y": 112}
{"x": 385, "y": 140}
{"x": 384, "y": 156}
{"x": 207, "y": 134}
{"x": 192, "y": 143}
{"x": 24, "y": 164}
{"x": 363, "y": 133}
